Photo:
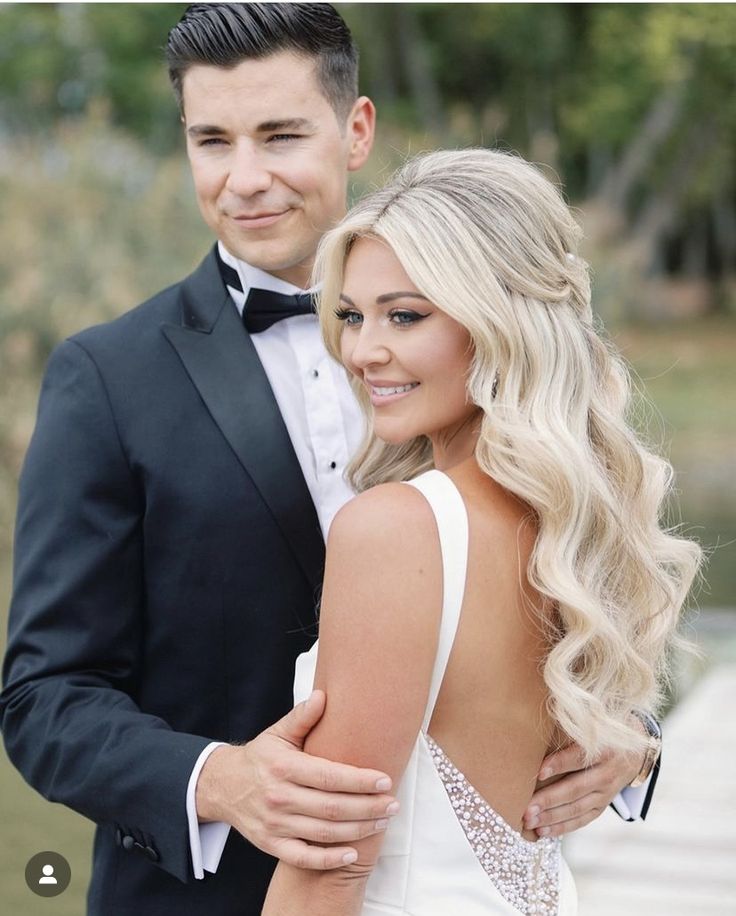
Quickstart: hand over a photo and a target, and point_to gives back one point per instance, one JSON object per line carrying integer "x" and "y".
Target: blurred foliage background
{"x": 631, "y": 105}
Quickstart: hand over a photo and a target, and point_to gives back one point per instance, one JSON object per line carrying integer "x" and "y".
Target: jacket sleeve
{"x": 633, "y": 804}
{"x": 68, "y": 712}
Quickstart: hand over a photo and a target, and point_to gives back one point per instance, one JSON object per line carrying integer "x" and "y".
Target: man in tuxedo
{"x": 185, "y": 467}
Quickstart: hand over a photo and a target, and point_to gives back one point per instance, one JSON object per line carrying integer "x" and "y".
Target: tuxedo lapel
{"x": 223, "y": 364}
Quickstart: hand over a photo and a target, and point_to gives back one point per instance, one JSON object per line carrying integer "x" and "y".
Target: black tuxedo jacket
{"x": 168, "y": 562}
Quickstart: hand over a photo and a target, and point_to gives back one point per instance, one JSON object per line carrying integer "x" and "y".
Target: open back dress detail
{"x": 447, "y": 851}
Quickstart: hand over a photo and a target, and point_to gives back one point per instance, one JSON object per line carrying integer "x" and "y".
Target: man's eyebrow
{"x": 201, "y": 130}
{"x": 265, "y": 127}
{"x": 387, "y": 297}
{"x": 286, "y": 124}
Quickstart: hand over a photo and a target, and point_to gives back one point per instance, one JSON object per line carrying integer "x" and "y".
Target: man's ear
{"x": 361, "y": 127}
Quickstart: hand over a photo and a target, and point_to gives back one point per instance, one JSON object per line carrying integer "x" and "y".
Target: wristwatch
{"x": 652, "y": 750}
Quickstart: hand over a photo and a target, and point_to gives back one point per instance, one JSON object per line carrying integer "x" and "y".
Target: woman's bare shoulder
{"x": 387, "y": 516}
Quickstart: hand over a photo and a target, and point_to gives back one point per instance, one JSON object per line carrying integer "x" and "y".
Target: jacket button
{"x": 128, "y": 842}
{"x": 152, "y": 854}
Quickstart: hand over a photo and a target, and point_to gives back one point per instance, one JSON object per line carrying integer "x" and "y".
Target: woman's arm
{"x": 379, "y": 625}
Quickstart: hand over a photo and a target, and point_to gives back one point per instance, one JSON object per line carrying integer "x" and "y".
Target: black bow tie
{"x": 263, "y": 307}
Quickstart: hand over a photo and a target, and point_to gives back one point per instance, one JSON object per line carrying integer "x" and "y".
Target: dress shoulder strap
{"x": 452, "y": 525}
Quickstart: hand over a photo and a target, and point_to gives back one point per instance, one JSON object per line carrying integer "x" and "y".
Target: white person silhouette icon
{"x": 48, "y": 874}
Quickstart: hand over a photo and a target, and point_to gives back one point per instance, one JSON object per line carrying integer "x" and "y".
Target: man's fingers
{"x": 316, "y": 772}
{"x": 565, "y": 792}
{"x": 328, "y": 832}
{"x": 566, "y": 760}
{"x": 302, "y": 855}
{"x": 590, "y": 804}
{"x": 578, "y": 796}
{"x": 333, "y": 806}
{"x": 568, "y": 826}
{"x": 329, "y": 776}
{"x": 297, "y": 724}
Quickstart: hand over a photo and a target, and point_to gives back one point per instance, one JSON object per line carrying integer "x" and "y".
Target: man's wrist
{"x": 206, "y": 838}
{"x": 652, "y": 750}
{"x": 211, "y": 790}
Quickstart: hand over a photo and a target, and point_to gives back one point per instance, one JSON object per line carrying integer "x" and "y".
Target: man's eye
{"x": 405, "y": 316}
{"x": 211, "y": 141}
{"x": 283, "y": 138}
{"x": 349, "y": 316}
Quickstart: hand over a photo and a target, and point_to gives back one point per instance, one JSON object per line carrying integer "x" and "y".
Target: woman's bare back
{"x": 491, "y": 717}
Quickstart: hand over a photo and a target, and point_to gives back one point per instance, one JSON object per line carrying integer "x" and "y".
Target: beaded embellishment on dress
{"x": 526, "y": 874}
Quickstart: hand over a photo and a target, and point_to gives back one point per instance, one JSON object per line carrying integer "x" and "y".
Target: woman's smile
{"x": 382, "y": 392}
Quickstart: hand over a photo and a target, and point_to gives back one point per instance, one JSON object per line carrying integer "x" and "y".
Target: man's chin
{"x": 292, "y": 266}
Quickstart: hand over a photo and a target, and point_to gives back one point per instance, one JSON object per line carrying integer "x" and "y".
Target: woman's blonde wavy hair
{"x": 488, "y": 239}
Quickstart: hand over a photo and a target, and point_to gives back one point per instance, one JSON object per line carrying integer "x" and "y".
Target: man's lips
{"x": 258, "y": 220}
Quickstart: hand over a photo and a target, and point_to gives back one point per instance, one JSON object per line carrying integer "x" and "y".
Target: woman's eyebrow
{"x": 388, "y": 297}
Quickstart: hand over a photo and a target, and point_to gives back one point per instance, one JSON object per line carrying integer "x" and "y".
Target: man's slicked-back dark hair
{"x": 225, "y": 34}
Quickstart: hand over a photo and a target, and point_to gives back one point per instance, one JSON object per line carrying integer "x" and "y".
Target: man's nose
{"x": 248, "y": 173}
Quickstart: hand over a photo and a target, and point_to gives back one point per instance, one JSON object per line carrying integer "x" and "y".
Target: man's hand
{"x": 282, "y": 800}
{"x": 579, "y": 794}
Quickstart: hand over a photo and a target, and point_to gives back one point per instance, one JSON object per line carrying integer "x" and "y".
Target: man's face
{"x": 270, "y": 158}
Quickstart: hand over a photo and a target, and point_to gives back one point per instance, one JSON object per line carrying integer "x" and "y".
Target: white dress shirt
{"x": 326, "y": 427}
{"x": 322, "y": 417}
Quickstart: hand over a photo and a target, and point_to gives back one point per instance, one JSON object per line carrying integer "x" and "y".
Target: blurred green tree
{"x": 631, "y": 103}
{"x": 59, "y": 59}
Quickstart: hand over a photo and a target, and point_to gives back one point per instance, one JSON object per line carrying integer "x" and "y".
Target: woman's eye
{"x": 349, "y": 316}
{"x": 405, "y": 316}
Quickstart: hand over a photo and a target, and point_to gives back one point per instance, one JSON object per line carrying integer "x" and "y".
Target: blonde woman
{"x": 519, "y": 593}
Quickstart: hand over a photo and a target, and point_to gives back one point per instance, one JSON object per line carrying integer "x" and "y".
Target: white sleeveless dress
{"x": 447, "y": 852}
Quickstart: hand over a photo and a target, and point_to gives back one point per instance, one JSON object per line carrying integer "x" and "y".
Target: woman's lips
{"x": 386, "y": 394}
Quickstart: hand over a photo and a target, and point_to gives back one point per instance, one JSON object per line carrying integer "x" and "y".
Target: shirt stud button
{"x": 333, "y": 465}
{"x": 315, "y": 373}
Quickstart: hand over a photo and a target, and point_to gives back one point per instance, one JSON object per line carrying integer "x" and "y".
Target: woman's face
{"x": 411, "y": 356}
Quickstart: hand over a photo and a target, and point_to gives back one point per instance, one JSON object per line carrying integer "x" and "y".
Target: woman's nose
{"x": 370, "y": 348}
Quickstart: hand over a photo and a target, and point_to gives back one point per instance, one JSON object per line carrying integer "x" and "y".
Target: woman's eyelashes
{"x": 398, "y": 317}
{"x": 406, "y": 316}
{"x": 349, "y": 316}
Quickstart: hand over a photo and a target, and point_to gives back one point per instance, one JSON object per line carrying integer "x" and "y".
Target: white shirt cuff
{"x": 206, "y": 841}
{"x": 629, "y": 802}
